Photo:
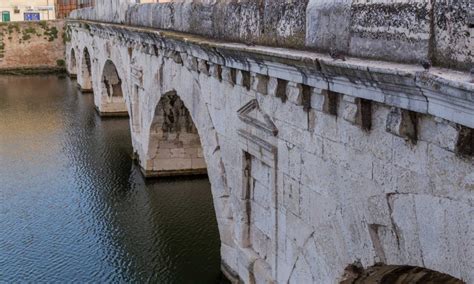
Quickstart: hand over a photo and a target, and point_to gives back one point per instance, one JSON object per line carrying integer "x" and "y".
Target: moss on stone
{"x": 61, "y": 63}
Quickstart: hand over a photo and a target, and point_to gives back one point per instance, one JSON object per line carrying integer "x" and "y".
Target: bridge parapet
{"x": 400, "y": 31}
{"x": 440, "y": 92}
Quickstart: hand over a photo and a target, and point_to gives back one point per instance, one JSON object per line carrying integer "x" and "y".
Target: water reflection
{"x": 73, "y": 207}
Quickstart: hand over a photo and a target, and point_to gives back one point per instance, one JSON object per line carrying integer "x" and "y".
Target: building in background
{"x": 64, "y": 7}
{"x": 27, "y": 10}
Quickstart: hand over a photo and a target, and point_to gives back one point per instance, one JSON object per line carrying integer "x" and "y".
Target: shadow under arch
{"x": 396, "y": 274}
{"x": 181, "y": 128}
{"x": 110, "y": 99}
{"x": 72, "y": 65}
{"x": 86, "y": 72}
{"x": 174, "y": 147}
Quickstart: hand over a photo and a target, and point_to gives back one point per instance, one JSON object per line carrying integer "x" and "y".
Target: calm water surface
{"x": 74, "y": 208}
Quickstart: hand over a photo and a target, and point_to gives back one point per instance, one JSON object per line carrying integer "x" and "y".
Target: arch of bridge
{"x": 72, "y": 60}
{"x": 385, "y": 225}
{"x": 161, "y": 79}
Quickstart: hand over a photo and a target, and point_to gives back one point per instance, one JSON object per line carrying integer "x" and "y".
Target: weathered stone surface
{"x": 328, "y": 25}
{"x": 402, "y": 30}
{"x": 301, "y": 191}
{"x": 453, "y": 35}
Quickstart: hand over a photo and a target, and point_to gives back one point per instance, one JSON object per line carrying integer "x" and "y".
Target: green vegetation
{"x": 43, "y": 25}
{"x": 26, "y": 33}
{"x": 12, "y": 27}
{"x": 51, "y": 33}
{"x": 66, "y": 34}
{"x": 2, "y": 45}
{"x": 61, "y": 63}
{"x": 25, "y": 37}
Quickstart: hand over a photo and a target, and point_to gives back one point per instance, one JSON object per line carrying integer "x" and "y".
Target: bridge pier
{"x": 71, "y": 67}
{"x": 84, "y": 78}
{"x": 110, "y": 100}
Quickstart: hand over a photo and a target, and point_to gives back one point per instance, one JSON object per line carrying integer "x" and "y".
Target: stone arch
{"x": 110, "y": 100}
{"x": 170, "y": 83}
{"x": 174, "y": 147}
{"x": 72, "y": 63}
{"x": 86, "y": 71}
{"x": 393, "y": 274}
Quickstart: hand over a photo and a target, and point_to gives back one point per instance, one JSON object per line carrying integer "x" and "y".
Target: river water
{"x": 73, "y": 206}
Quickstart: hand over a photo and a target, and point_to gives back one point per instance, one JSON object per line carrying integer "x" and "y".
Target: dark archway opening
{"x": 110, "y": 100}
{"x": 72, "y": 64}
{"x": 86, "y": 72}
{"x": 175, "y": 146}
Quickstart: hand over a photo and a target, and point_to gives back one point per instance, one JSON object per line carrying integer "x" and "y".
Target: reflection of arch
{"x": 86, "y": 71}
{"x": 110, "y": 100}
{"x": 72, "y": 68}
{"x": 394, "y": 274}
{"x": 175, "y": 146}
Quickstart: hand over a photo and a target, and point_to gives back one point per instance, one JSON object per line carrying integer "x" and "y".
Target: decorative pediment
{"x": 252, "y": 115}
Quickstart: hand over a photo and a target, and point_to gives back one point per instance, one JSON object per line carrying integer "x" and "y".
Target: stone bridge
{"x": 323, "y": 168}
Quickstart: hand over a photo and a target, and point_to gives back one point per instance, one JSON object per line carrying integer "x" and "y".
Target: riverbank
{"x": 39, "y": 70}
{"x": 32, "y": 47}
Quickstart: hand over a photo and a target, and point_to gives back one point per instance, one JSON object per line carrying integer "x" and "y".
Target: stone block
{"x": 437, "y": 235}
{"x": 350, "y": 109}
{"x": 403, "y": 123}
{"x": 331, "y": 102}
{"x": 295, "y": 93}
{"x": 412, "y": 157}
{"x": 215, "y": 71}
{"x": 356, "y": 162}
{"x": 259, "y": 83}
{"x": 291, "y": 194}
{"x": 453, "y": 22}
{"x": 244, "y": 79}
{"x": 272, "y": 86}
{"x": 246, "y": 260}
{"x": 229, "y": 75}
{"x": 203, "y": 66}
{"x": 403, "y": 23}
{"x": 357, "y": 111}
{"x": 263, "y": 272}
{"x": 317, "y": 100}
{"x": 226, "y": 232}
{"x": 191, "y": 63}
{"x": 297, "y": 230}
{"x": 448, "y": 172}
{"x": 406, "y": 228}
{"x": 261, "y": 219}
{"x": 172, "y": 164}
{"x": 323, "y": 125}
{"x": 198, "y": 163}
{"x": 178, "y": 153}
{"x": 328, "y": 24}
{"x": 229, "y": 257}
{"x": 261, "y": 243}
{"x": 292, "y": 115}
{"x": 262, "y": 194}
{"x": 439, "y": 132}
